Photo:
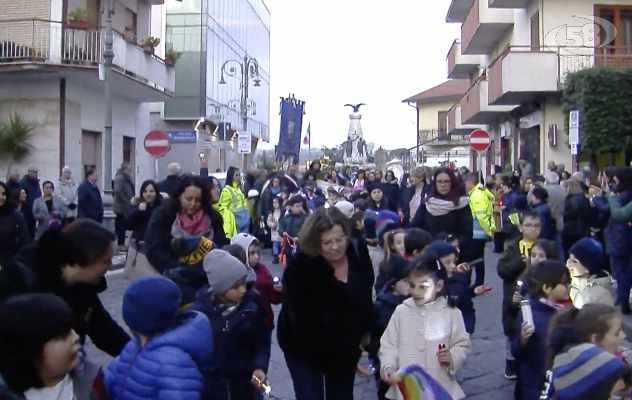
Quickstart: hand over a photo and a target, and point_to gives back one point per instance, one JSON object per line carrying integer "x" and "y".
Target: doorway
{"x": 91, "y": 148}
{"x": 129, "y": 154}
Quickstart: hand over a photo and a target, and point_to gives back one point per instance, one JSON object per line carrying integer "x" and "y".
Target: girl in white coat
{"x": 426, "y": 330}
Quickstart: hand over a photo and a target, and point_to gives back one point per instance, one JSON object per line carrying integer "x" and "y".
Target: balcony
{"x": 40, "y": 46}
{"x": 475, "y": 108}
{"x": 458, "y": 10}
{"x": 455, "y": 127}
{"x": 438, "y": 141}
{"x": 522, "y": 73}
{"x": 461, "y": 66}
{"x": 516, "y": 4}
{"x": 484, "y": 27}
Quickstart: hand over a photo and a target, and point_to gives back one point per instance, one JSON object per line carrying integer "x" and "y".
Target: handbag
{"x": 136, "y": 263}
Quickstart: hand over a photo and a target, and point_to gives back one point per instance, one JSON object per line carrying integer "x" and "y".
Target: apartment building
{"x": 516, "y": 54}
{"x": 50, "y": 52}
{"x": 210, "y": 35}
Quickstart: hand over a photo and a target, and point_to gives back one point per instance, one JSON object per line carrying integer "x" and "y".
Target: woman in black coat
{"x": 391, "y": 190}
{"x": 447, "y": 209}
{"x": 144, "y": 205}
{"x": 14, "y": 233}
{"x": 413, "y": 195}
{"x": 178, "y": 230}
{"x": 71, "y": 264}
{"x": 327, "y": 309}
{"x": 578, "y": 215}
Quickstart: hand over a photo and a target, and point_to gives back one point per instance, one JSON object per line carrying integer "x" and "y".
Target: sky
{"x": 332, "y": 52}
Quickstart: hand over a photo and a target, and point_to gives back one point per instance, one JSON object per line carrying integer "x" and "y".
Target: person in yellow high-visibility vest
{"x": 233, "y": 199}
{"x": 482, "y": 206}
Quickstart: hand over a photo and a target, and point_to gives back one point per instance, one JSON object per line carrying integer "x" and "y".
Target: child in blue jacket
{"x": 547, "y": 283}
{"x": 240, "y": 333}
{"x": 164, "y": 359}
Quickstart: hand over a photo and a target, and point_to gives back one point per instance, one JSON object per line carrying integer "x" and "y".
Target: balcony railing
{"x": 428, "y": 136}
{"x": 469, "y": 27}
{"x": 471, "y": 100}
{"x": 47, "y": 42}
{"x": 456, "y": 47}
{"x": 567, "y": 59}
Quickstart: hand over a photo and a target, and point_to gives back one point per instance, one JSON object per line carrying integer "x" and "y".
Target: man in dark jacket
{"x": 89, "y": 196}
{"x": 13, "y": 182}
{"x": 30, "y": 184}
{"x": 123, "y": 194}
{"x": 170, "y": 183}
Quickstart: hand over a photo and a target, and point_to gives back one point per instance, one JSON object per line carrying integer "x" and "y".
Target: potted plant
{"x": 78, "y": 19}
{"x": 171, "y": 58}
{"x": 150, "y": 44}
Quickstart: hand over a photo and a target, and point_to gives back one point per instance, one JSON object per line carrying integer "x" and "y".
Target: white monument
{"x": 355, "y": 152}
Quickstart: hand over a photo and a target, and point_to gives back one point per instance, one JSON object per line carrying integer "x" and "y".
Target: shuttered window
{"x": 535, "y": 31}
{"x": 442, "y": 124}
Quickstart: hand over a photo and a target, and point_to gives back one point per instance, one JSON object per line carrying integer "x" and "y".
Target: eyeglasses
{"x": 444, "y": 183}
{"x": 532, "y": 227}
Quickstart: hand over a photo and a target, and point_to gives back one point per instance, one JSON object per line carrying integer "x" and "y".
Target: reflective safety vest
{"x": 233, "y": 198}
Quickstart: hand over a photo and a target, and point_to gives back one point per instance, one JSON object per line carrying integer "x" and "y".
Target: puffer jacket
{"x": 591, "y": 290}
{"x": 167, "y": 366}
{"x": 66, "y": 190}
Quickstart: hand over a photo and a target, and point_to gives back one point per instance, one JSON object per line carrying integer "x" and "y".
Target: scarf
{"x": 186, "y": 227}
{"x": 557, "y": 306}
{"x": 438, "y": 207}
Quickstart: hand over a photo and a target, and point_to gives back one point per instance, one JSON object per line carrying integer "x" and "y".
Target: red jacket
{"x": 265, "y": 286}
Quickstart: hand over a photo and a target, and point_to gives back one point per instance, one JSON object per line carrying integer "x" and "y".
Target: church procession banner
{"x": 292, "y": 111}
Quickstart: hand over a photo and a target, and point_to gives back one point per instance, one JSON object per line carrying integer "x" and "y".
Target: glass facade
{"x": 210, "y": 33}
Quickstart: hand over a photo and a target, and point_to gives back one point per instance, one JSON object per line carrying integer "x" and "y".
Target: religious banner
{"x": 289, "y": 146}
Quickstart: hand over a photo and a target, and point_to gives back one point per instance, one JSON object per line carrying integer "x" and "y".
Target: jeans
{"x": 119, "y": 228}
{"x": 310, "y": 384}
{"x": 476, "y": 250}
{"x": 622, "y": 272}
{"x": 276, "y": 248}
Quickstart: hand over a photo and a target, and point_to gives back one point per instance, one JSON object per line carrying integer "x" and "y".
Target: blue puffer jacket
{"x": 167, "y": 367}
{"x": 463, "y": 293}
{"x": 618, "y": 234}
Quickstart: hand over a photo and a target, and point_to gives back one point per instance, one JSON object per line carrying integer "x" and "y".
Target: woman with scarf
{"x": 178, "y": 237}
{"x": 447, "y": 209}
{"x": 13, "y": 231}
{"x": 232, "y": 198}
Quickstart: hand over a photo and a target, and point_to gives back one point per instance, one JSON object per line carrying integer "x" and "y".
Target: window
{"x": 442, "y": 124}
{"x": 617, "y": 53}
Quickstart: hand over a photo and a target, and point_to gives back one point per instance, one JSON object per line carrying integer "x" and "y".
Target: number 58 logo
{"x": 597, "y": 33}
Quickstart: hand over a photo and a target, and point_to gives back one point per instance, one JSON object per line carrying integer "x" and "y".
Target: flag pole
{"x": 309, "y": 143}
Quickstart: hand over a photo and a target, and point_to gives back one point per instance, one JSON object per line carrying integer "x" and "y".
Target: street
{"x": 481, "y": 378}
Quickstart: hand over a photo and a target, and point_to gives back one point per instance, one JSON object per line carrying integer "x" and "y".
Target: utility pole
{"x": 108, "y": 57}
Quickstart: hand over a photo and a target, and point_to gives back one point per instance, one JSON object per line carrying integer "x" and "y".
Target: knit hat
{"x": 386, "y": 221}
{"x": 244, "y": 241}
{"x": 223, "y": 270}
{"x": 397, "y": 269}
{"x": 441, "y": 249}
{"x": 370, "y": 219}
{"x": 520, "y": 202}
{"x": 589, "y": 253}
{"x": 346, "y": 208}
{"x": 150, "y": 305}
{"x": 586, "y": 372}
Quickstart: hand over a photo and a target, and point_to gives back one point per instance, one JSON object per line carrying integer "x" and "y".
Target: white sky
{"x": 332, "y": 52}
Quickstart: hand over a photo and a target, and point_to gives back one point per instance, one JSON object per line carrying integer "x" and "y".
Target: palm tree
{"x": 15, "y": 140}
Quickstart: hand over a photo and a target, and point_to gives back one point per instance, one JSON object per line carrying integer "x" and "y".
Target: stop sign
{"x": 157, "y": 143}
{"x": 480, "y": 140}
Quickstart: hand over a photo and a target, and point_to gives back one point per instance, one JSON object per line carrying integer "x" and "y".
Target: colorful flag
{"x": 416, "y": 384}
{"x": 308, "y": 136}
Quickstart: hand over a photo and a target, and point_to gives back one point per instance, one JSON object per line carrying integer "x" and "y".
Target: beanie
{"x": 386, "y": 221}
{"x": 590, "y": 254}
{"x": 370, "y": 219}
{"x": 397, "y": 269}
{"x": 586, "y": 372}
{"x": 150, "y": 305}
{"x": 441, "y": 249}
{"x": 223, "y": 271}
{"x": 346, "y": 208}
{"x": 520, "y": 202}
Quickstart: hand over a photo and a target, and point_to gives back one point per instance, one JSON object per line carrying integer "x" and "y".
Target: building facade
{"x": 211, "y": 34}
{"x": 516, "y": 54}
{"x": 50, "y": 51}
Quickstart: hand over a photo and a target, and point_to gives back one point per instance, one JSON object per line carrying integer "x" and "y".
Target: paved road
{"x": 481, "y": 378}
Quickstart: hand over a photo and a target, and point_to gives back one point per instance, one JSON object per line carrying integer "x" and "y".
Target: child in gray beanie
{"x": 240, "y": 332}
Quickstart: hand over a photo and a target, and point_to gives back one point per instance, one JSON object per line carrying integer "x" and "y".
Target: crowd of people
{"x": 381, "y": 272}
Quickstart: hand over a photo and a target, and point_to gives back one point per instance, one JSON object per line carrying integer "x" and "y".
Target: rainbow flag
{"x": 416, "y": 384}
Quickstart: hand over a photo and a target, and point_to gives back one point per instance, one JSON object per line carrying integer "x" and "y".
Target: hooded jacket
{"x": 482, "y": 206}
{"x": 168, "y": 365}
{"x": 591, "y": 290}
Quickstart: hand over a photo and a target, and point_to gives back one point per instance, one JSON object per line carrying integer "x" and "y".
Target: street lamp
{"x": 108, "y": 57}
{"x": 245, "y": 70}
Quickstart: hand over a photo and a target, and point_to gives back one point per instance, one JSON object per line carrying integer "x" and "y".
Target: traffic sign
{"x": 480, "y": 140}
{"x": 157, "y": 143}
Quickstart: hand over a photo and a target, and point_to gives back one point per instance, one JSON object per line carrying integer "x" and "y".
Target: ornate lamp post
{"x": 244, "y": 70}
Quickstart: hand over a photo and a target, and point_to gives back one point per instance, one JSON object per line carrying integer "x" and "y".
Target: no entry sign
{"x": 157, "y": 143}
{"x": 479, "y": 140}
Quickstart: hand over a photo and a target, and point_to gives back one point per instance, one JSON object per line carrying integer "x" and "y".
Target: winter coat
{"x": 137, "y": 221}
{"x": 457, "y": 222}
{"x": 591, "y": 290}
{"x": 557, "y": 203}
{"x": 273, "y": 223}
{"x": 23, "y": 275}
{"x": 123, "y": 193}
{"x": 384, "y": 307}
{"x": 241, "y": 341}
{"x": 33, "y": 192}
{"x": 481, "y": 205}
{"x": 90, "y": 202}
{"x": 292, "y": 224}
{"x": 167, "y": 366}
{"x": 40, "y": 209}
{"x": 577, "y": 211}
{"x": 548, "y": 229}
{"x": 391, "y": 192}
{"x": 531, "y": 359}
{"x": 66, "y": 190}
{"x": 618, "y": 212}
{"x": 13, "y": 234}
{"x": 406, "y": 196}
{"x": 322, "y": 320}
{"x": 264, "y": 284}
{"x": 510, "y": 267}
{"x": 463, "y": 293}
{"x": 413, "y": 336}
{"x": 169, "y": 185}
{"x": 618, "y": 234}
